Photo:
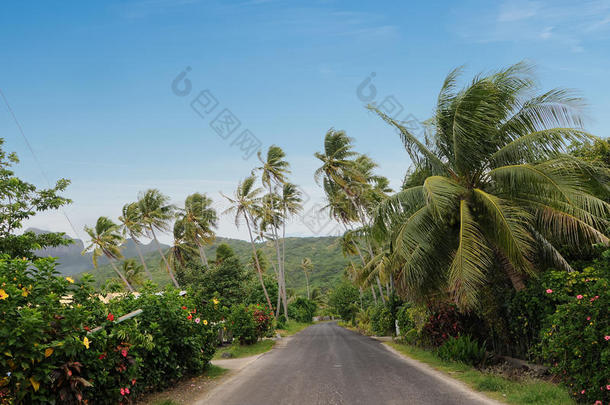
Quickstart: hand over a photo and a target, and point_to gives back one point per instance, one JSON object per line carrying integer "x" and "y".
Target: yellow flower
{"x": 205, "y": 321}
{"x": 24, "y": 292}
{"x": 3, "y": 295}
{"x": 215, "y": 301}
{"x": 86, "y": 342}
{"x": 48, "y": 352}
{"x": 70, "y": 280}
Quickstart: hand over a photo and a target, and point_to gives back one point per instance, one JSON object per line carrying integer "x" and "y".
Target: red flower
{"x": 127, "y": 390}
{"x": 110, "y": 317}
{"x": 122, "y": 391}
{"x": 86, "y": 328}
{"x": 183, "y": 307}
{"x": 102, "y": 356}
{"x": 133, "y": 382}
{"x": 189, "y": 317}
{"x": 124, "y": 352}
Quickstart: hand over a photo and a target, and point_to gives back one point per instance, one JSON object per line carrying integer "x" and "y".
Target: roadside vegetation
{"x": 525, "y": 391}
{"x": 66, "y": 340}
{"x": 495, "y": 246}
{"x": 497, "y": 241}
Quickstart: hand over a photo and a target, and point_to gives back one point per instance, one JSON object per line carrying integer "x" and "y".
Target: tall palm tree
{"x": 337, "y": 159}
{"x": 500, "y": 193}
{"x": 106, "y": 240}
{"x": 352, "y": 189}
{"x": 307, "y": 267}
{"x": 156, "y": 213}
{"x": 273, "y": 173}
{"x": 244, "y": 204}
{"x": 183, "y": 248}
{"x": 200, "y": 219}
{"x": 132, "y": 271}
{"x": 131, "y": 225}
{"x": 289, "y": 204}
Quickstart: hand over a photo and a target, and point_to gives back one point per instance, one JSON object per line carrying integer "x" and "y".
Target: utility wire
{"x": 27, "y": 142}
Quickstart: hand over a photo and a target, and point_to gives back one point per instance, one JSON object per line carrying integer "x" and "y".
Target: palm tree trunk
{"x": 380, "y": 289}
{"x": 141, "y": 258}
{"x": 204, "y": 259}
{"x": 120, "y": 274}
{"x": 279, "y": 300}
{"x": 374, "y": 295}
{"x": 169, "y": 270}
{"x": 284, "y": 261}
{"x": 258, "y": 266}
{"x": 307, "y": 282}
{"x": 282, "y": 278}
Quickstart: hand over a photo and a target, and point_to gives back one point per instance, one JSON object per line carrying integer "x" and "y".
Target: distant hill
{"x": 71, "y": 262}
{"x": 323, "y": 251}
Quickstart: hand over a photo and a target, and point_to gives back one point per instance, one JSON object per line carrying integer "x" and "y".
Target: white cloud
{"x": 515, "y": 11}
{"x": 564, "y": 23}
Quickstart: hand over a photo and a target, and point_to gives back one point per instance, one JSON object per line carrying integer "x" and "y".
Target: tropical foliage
{"x": 19, "y": 201}
{"x": 500, "y": 189}
{"x": 61, "y": 344}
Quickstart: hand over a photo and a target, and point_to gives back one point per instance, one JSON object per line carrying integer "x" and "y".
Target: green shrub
{"x": 530, "y": 308}
{"x": 411, "y": 337}
{"x": 404, "y": 319}
{"x": 363, "y": 321}
{"x": 576, "y": 341}
{"x": 242, "y": 325}
{"x": 249, "y": 323}
{"x": 462, "y": 349}
{"x": 302, "y": 310}
{"x": 281, "y": 322}
{"x": 344, "y": 301}
{"x": 53, "y": 354}
{"x": 382, "y": 322}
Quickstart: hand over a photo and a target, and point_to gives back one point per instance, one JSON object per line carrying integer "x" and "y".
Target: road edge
{"x": 429, "y": 370}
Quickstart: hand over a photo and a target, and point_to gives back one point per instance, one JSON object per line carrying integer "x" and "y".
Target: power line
{"x": 27, "y": 142}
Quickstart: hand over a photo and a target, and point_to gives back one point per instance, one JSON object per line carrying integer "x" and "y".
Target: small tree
{"x": 344, "y": 301}
{"x": 20, "y": 201}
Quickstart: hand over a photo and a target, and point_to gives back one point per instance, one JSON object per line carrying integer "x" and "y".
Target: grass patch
{"x": 166, "y": 402}
{"x": 532, "y": 392}
{"x": 214, "y": 371}
{"x": 238, "y": 350}
{"x": 292, "y": 327}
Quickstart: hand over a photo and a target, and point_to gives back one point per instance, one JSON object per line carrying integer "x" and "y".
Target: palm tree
{"x": 499, "y": 194}
{"x": 337, "y": 159}
{"x": 245, "y": 204}
{"x": 199, "y": 219}
{"x": 351, "y": 188}
{"x": 183, "y": 249}
{"x": 132, "y": 226}
{"x": 156, "y": 213}
{"x": 273, "y": 172}
{"x": 307, "y": 267}
{"x": 106, "y": 240}
{"x": 132, "y": 271}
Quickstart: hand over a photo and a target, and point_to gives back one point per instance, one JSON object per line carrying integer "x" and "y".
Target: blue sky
{"x": 91, "y": 84}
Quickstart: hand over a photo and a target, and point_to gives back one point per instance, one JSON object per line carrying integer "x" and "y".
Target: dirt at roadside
{"x": 185, "y": 392}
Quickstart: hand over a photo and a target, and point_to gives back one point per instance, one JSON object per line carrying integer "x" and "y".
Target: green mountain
{"x": 70, "y": 261}
{"x": 324, "y": 252}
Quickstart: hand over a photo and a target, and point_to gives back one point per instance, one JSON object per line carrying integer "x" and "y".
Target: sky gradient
{"x": 91, "y": 85}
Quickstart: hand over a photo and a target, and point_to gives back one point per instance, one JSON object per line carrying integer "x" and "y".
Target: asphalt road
{"x": 326, "y": 364}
